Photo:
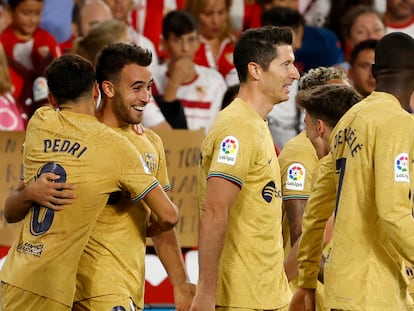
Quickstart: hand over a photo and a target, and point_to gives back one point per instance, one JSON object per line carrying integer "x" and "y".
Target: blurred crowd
{"x": 193, "y": 71}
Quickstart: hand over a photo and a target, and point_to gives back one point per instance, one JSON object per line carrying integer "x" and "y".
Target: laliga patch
{"x": 229, "y": 148}
{"x": 401, "y": 168}
{"x": 296, "y": 174}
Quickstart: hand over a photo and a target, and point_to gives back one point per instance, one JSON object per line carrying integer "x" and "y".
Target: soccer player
{"x": 240, "y": 240}
{"x": 40, "y": 270}
{"x": 370, "y": 168}
{"x": 125, "y": 81}
{"x": 298, "y": 158}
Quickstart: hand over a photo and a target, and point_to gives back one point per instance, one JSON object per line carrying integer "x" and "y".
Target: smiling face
{"x": 399, "y": 10}
{"x": 278, "y": 78}
{"x": 132, "y": 93}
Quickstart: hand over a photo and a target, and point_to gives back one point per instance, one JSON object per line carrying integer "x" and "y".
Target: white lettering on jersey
{"x": 296, "y": 174}
{"x": 229, "y": 148}
{"x": 401, "y": 168}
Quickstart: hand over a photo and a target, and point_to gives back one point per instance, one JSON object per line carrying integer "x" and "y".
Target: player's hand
{"x": 181, "y": 69}
{"x": 48, "y": 193}
{"x": 303, "y": 300}
{"x": 138, "y": 128}
{"x": 183, "y": 296}
{"x": 203, "y": 303}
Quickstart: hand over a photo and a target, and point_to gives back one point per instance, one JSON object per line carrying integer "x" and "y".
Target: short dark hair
{"x": 282, "y": 16}
{"x": 328, "y": 102}
{"x": 394, "y": 52}
{"x": 369, "y": 44}
{"x": 14, "y": 3}
{"x": 115, "y": 56}
{"x": 259, "y": 45}
{"x": 70, "y": 77}
{"x": 178, "y": 22}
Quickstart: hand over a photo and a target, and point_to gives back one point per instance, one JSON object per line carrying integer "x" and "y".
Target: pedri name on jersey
{"x": 349, "y": 137}
{"x": 64, "y": 145}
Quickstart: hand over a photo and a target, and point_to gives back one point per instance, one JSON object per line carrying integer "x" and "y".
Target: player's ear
{"x": 254, "y": 70}
{"x": 321, "y": 127}
{"x": 108, "y": 88}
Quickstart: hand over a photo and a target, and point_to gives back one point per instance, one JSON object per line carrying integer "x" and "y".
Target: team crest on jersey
{"x": 151, "y": 161}
{"x": 295, "y": 179}
{"x": 401, "y": 168}
{"x": 229, "y": 148}
{"x": 144, "y": 164}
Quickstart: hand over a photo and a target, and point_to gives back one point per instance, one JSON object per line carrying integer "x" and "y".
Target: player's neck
{"x": 78, "y": 107}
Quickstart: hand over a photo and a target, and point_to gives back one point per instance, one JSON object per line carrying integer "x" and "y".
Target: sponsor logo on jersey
{"x": 271, "y": 191}
{"x": 229, "y": 148}
{"x": 401, "y": 169}
{"x": 296, "y": 174}
{"x": 30, "y": 249}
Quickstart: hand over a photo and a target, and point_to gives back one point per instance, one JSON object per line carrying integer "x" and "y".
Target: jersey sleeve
{"x": 232, "y": 154}
{"x": 162, "y": 173}
{"x": 393, "y": 160}
{"x": 135, "y": 176}
{"x": 319, "y": 208}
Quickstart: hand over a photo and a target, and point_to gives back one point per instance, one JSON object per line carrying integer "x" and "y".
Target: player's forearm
{"x": 401, "y": 234}
{"x": 309, "y": 254}
{"x": 310, "y": 245}
{"x": 291, "y": 262}
{"x": 294, "y": 210}
{"x": 17, "y": 204}
{"x": 211, "y": 241}
{"x": 169, "y": 252}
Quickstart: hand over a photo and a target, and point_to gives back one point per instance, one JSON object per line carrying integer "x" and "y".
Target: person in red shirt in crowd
{"x": 146, "y": 18}
{"x": 10, "y": 118}
{"x": 4, "y": 16}
{"x": 217, "y": 37}
{"x": 29, "y": 50}
{"x": 399, "y": 16}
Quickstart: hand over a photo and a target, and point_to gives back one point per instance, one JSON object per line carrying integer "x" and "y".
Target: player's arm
{"x": 291, "y": 262}
{"x": 169, "y": 251}
{"x": 294, "y": 210}
{"x": 319, "y": 208}
{"x": 44, "y": 191}
{"x": 393, "y": 190}
{"x": 165, "y": 210}
{"x": 220, "y": 195}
